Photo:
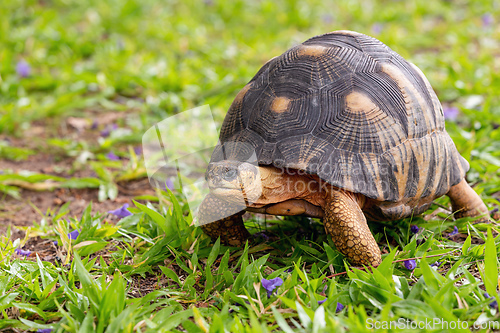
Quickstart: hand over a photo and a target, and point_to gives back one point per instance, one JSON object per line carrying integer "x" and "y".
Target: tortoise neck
{"x": 279, "y": 185}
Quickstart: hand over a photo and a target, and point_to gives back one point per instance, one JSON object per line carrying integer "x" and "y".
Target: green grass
{"x": 144, "y": 60}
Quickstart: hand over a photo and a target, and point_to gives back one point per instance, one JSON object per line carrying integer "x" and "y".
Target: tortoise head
{"x": 234, "y": 181}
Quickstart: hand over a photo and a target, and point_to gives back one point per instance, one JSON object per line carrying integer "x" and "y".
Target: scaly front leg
{"x": 346, "y": 223}
{"x": 217, "y": 218}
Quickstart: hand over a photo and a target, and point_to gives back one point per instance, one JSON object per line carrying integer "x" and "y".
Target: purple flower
{"x": 323, "y": 301}
{"x": 263, "y": 235}
{"x": 436, "y": 264}
{"x": 22, "y": 252}
{"x": 170, "y": 184}
{"x": 450, "y": 112}
{"x": 410, "y": 264}
{"x": 105, "y": 133}
{"x": 121, "y": 212}
{"x": 95, "y": 123}
{"x": 138, "y": 150}
{"x": 107, "y": 130}
{"x": 487, "y": 20}
{"x": 44, "y": 330}
{"x": 289, "y": 270}
{"x": 414, "y": 229}
{"x": 454, "y": 232}
{"x": 272, "y": 284}
{"x": 74, "y": 234}
{"x": 327, "y": 18}
{"x": 493, "y": 304}
{"x": 112, "y": 156}
{"x": 340, "y": 307}
{"x": 23, "y": 69}
{"x": 377, "y": 28}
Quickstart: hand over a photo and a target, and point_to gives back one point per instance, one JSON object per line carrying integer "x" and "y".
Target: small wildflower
{"x": 112, "y": 156}
{"x": 436, "y": 264}
{"x": 44, "y": 330}
{"x": 327, "y": 18}
{"x": 494, "y": 304}
{"x": 74, "y": 234}
{"x": 107, "y": 130}
{"x": 487, "y": 20}
{"x": 121, "y": 212}
{"x": 340, "y": 307}
{"x": 410, "y": 264}
{"x": 23, "y": 69}
{"x": 170, "y": 184}
{"x": 454, "y": 232}
{"x": 105, "y": 133}
{"x": 450, "y": 112}
{"x": 263, "y": 235}
{"x": 414, "y": 229}
{"x": 289, "y": 270}
{"x": 94, "y": 125}
{"x": 138, "y": 150}
{"x": 377, "y": 28}
{"x": 22, "y": 252}
{"x": 323, "y": 301}
{"x": 271, "y": 284}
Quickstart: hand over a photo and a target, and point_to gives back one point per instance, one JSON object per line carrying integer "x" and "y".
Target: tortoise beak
{"x": 222, "y": 177}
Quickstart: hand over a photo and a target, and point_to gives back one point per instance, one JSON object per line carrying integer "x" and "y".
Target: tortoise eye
{"x": 230, "y": 174}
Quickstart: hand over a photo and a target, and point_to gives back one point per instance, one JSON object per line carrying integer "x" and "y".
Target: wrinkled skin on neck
{"x": 266, "y": 185}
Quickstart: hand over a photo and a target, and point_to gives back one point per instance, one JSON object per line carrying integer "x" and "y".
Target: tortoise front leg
{"x": 346, "y": 223}
{"x": 466, "y": 202}
{"x": 217, "y": 218}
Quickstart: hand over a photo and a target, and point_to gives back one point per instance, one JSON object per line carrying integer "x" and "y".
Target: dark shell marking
{"x": 347, "y": 108}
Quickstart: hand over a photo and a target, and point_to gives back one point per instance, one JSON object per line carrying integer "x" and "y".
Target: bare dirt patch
{"x": 34, "y": 205}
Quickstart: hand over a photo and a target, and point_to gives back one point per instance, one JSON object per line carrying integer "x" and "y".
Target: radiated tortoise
{"x": 339, "y": 127}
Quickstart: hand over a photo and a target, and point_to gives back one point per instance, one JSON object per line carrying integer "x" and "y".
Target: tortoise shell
{"x": 347, "y": 108}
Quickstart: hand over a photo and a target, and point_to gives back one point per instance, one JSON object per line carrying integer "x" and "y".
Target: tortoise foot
{"x": 466, "y": 203}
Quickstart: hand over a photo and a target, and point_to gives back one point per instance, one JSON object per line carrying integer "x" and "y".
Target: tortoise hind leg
{"x": 218, "y": 218}
{"x": 346, "y": 223}
{"x": 465, "y": 201}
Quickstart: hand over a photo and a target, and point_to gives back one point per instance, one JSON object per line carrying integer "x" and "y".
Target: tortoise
{"x": 341, "y": 128}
